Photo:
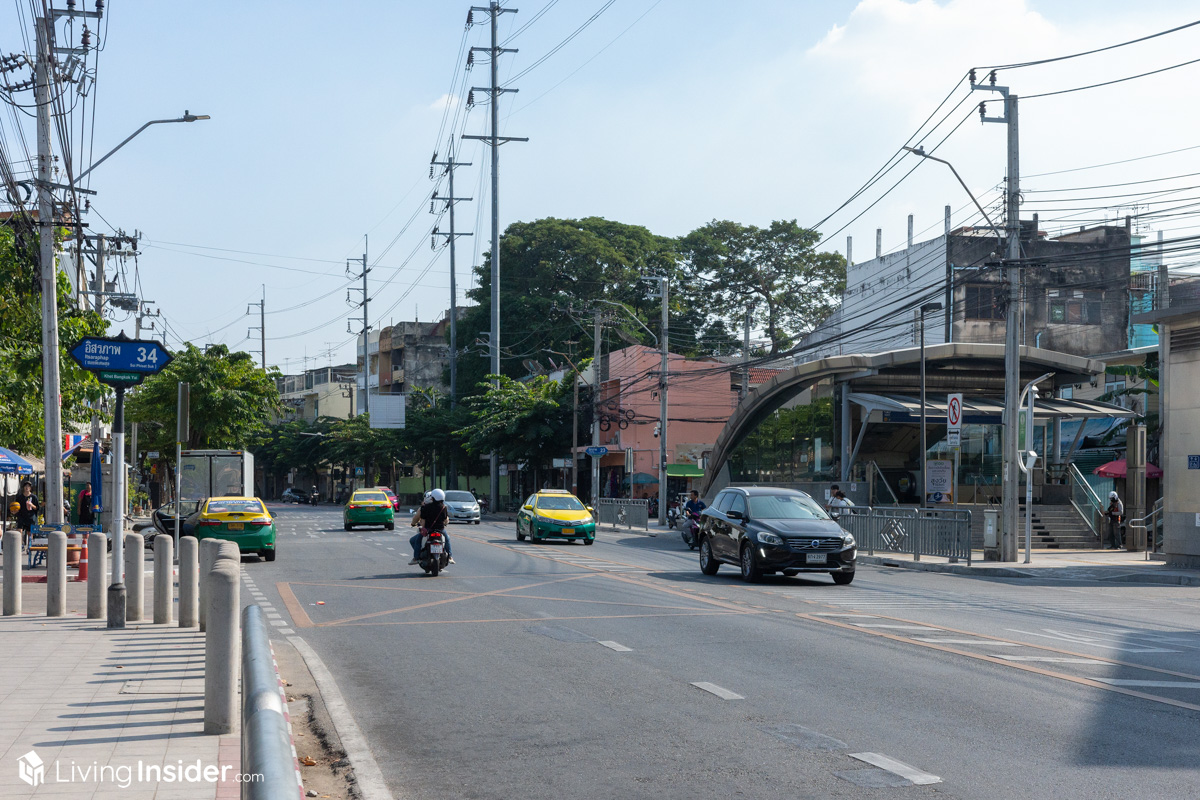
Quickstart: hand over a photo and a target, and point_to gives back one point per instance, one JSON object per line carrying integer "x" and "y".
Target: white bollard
{"x": 164, "y": 585}
{"x": 12, "y": 573}
{"x": 56, "y": 574}
{"x": 135, "y": 577}
{"x": 189, "y": 579}
{"x": 221, "y": 648}
{"x": 97, "y": 591}
{"x": 208, "y": 556}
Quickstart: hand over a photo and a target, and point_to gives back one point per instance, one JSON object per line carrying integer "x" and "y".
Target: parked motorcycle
{"x": 672, "y": 515}
{"x": 691, "y": 530}
{"x": 433, "y": 557}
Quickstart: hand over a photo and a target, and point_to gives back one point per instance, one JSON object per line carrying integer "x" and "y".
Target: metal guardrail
{"x": 1152, "y": 524}
{"x": 266, "y": 740}
{"x": 1085, "y": 500}
{"x": 919, "y": 531}
{"x": 621, "y": 512}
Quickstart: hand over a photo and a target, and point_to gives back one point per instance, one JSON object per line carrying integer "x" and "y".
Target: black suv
{"x": 765, "y": 530}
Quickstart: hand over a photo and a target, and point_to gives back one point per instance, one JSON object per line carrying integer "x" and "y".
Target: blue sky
{"x": 324, "y": 118}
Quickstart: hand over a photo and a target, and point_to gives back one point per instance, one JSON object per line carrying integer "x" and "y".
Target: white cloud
{"x": 444, "y": 102}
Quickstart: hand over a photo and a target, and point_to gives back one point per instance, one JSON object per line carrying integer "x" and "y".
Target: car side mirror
{"x": 527, "y": 507}
{"x": 590, "y": 509}
{"x": 735, "y": 515}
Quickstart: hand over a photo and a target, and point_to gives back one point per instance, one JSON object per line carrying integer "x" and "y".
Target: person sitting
{"x": 694, "y": 505}
{"x": 433, "y": 515}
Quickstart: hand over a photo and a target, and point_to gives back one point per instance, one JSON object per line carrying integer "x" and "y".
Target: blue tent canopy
{"x": 11, "y": 463}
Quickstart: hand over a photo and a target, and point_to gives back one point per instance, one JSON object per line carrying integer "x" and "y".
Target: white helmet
{"x": 428, "y": 496}
{"x": 438, "y": 495}
{"x": 1113, "y": 496}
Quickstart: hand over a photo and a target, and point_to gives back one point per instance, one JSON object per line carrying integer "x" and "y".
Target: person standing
{"x": 1114, "y": 513}
{"x": 27, "y": 514}
{"x": 86, "y": 515}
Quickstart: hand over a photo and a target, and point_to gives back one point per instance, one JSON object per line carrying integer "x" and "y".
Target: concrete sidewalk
{"x": 1096, "y": 565}
{"x": 108, "y": 713}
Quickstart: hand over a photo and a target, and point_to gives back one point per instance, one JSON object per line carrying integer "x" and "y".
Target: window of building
{"x": 985, "y": 302}
{"x": 1067, "y": 392}
{"x": 1074, "y": 306}
{"x": 1111, "y": 388}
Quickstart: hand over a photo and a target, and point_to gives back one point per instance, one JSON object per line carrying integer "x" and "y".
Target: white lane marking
{"x": 278, "y": 623}
{"x": 1150, "y": 684}
{"x": 391, "y": 548}
{"x": 839, "y": 614}
{"x": 1076, "y": 638}
{"x": 897, "y": 768}
{"x": 1050, "y": 660}
{"x": 965, "y": 641}
{"x": 620, "y": 648}
{"x": 286, "y": 630}
{"x": 720, "y": 692}
{"x": 895, "y": 627}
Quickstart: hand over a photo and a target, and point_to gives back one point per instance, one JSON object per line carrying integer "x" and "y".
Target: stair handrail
{"x": 1089, "y": 504}
{"x": 1151, "y": 524}
{"x": 871, "y": 465}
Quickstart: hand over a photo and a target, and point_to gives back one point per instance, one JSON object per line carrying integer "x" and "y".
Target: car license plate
{"x": 568, "y": 531}
{"x": 237, "y": 526}
{"x": 815, "y": 558}
{"x": 435, "y": 549}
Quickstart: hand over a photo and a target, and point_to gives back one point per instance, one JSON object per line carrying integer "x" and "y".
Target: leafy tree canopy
{"x": 231, "y": 400}
{"x": 22, "y": 423}
{"x": 789, "y": 286}
{"x": 524, "y": 421}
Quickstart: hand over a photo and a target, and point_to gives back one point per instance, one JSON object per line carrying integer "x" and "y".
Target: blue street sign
{"x": 596, "y": 452}
{"x": 1193, "y": 462}
{"x": 121, "y": 355}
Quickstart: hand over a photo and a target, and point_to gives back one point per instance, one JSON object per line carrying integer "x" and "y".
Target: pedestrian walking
{"x": 27, "y": 514}
{"x": 1115, "y": 513}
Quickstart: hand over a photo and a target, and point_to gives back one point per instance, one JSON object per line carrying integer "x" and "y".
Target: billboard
{"x": 387, "y": 410}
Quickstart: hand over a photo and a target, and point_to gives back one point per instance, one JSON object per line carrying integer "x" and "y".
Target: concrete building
{"x": 1077, "y": 301}
{"x": 405, "y": 355}
{"x": 319, "y": 392}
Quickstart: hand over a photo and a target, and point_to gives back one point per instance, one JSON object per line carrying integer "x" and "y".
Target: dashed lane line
{"x": 719, "y": 691}
{"x": 895, "y": 767}
{"x": 620, "y": 648}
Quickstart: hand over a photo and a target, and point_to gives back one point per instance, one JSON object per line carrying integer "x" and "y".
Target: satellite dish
{"x": 625, "y": 337}
{"x": 534, "y": 367}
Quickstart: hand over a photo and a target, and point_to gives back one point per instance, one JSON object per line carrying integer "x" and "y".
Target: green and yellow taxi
{"x": 368, "y": 507}
{"x": 555, "y": 514}
{"x": 244, "y": 520}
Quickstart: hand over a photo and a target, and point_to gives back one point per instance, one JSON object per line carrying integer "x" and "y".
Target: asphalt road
{"x": 564, "y": 671}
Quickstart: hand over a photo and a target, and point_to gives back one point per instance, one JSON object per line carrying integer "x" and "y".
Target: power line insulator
{"x": 992, "y": 78}
{"x": 982, "y": 110}
{"x": 971, "y": 76}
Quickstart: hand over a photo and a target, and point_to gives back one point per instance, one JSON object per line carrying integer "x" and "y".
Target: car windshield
{"x": 388, "y": 492}
{"x": 460, "y": 497}
{"x": 365, "y": 497}
{"x": 785, "y": 506}
{"x": 559, "y": 504}
{"x": 233, "y": 506}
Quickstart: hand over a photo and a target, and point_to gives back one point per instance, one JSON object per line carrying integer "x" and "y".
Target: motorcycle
{"x": 433, "y": 557}
{"x": 314, "y": 497}
{"x": 672, "y": 515}
{"x": 691, "y": 530}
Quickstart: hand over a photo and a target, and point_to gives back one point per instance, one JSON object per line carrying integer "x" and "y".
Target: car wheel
{"x": 843, "y": 578}
{"x": 520, "y": 536}
{"x": 476, "y": 522}
{"x": 268, "y": 555}
{"x": 708, "y": 564}
{"x": 751, "y": 572}
{"x": 589, "y": 541}
{"x": 391, "y": 526}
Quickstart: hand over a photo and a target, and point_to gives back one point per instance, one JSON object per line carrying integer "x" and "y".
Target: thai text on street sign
{"x": 954, "y": 420}
{"x": 121, "y": 361}
{"x": 597, "y": 451}
{"x": 939, "y": 477}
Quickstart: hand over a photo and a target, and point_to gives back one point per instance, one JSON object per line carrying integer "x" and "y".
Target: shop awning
{"x": 684, "y": 471}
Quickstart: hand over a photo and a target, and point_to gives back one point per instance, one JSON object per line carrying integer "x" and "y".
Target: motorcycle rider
{"x": 694, "y": 505}
{"x": 433, "y": 515}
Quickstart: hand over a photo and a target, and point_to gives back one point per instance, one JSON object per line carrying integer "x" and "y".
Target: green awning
{"x": 684, "y": 471}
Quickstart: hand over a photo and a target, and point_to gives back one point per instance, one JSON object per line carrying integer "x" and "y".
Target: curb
{"x": 1174, "y": 579}
{"x": 366, "y": 770}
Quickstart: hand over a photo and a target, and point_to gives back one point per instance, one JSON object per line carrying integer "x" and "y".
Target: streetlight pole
{"x": 187, "y": 117}
{"x": 1027, "y": 465}
{"x": 925, "y": 309}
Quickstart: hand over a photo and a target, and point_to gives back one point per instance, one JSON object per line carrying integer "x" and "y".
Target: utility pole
{"x": 662, "y": 410}
{"x": 597, "y": 322}
{"x": 493, "y": 10}
{"x": 49, "y": 279}
{"x": 366, "y": 328}
{"x": 262, "y": 325}
{"x": 1012, "y": 356}
{"x": 449, "y": 164}
{"x": 746, "y": 357}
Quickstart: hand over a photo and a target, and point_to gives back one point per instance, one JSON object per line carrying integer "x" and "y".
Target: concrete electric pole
{"x": 493, "y": 10}
{"x": 261, "y": 327}
{"x": 663, "y": 291}
{"x": 1011, "y": 513}
{"x": 366, "y": 327}
{"x": 451, "y": 235}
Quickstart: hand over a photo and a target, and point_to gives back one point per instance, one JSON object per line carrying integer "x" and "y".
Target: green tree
{"x": 231, "y": 400}
{"x": 22, "y": 422}
{"x": 789, "y": 286}
{"x": 1145, "y": 374}
{"x": 524, "y": 421}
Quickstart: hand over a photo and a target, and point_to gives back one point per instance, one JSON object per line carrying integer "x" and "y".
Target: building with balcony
{"x": 319, "y": 392}
{"x": 405, "y": 355}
